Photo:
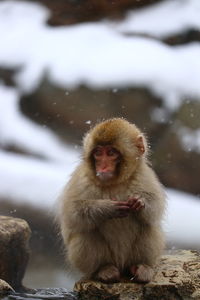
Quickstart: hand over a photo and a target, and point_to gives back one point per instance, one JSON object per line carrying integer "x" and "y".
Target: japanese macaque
{"x": 111, "y": 209}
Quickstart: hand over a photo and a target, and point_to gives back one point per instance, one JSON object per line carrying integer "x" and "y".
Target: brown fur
{"x": 96, "y": 239}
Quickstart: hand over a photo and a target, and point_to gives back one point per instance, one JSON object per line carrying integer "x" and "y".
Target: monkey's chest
{"x": 120, "y": 232}
{"x": 120, "y": 236}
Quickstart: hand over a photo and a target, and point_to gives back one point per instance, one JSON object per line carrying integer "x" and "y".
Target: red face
{"x": 106, "y": 159}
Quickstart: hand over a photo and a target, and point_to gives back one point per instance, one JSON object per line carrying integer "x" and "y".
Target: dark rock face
{"x": 7, "y": 76}
{"x": 70, "y": 113}
{"x": 177, "y": 162}
{"x": 177, "y": 278}
{"x": 190, "y": 35}
{"x": 14, "y": 253}
{"x": 73, "y": 11}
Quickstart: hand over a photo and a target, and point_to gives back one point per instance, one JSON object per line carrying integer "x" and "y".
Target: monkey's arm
{"x": 98, "y": 210}
{"x": 147, "y": 201}
{"x": 82, "y": 207}
{"x": 147, "y": 207}
{"x": 87, "y": 214}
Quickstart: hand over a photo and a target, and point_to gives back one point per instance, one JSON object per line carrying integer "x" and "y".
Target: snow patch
{"x": 111, "y": 59}
{"x": 163, "y": 19}
{"x": 17, "y": 130}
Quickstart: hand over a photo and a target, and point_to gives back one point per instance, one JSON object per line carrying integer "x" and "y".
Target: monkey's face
{"x": 106, "y": 159}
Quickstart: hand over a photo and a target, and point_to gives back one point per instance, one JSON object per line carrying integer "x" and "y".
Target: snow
{"x": 28, "y": 179}
{"x": 111, "y": 59}
{"x": 163, "y": 19}
{"x": 190, "y": 139}
{"x": 17, "y": 130}
{"x": 182, "y": 222}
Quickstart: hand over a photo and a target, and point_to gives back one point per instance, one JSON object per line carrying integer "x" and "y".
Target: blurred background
{"x": 66, "y": 64}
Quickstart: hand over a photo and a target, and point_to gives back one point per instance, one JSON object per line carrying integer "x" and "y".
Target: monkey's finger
{"x": 123, "y": 208}
{"x": 121, "y": 203}
{"x": 132, "y": 201}
{"x": 138, "y": 205}
{"x": 114, "y": 198}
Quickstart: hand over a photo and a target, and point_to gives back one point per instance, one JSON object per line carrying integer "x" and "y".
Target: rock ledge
{"x": 14, "y": 251}
{"x": 177, "y": 278}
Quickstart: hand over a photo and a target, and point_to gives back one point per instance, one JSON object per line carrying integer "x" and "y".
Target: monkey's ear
{"x": 140, "y": 143}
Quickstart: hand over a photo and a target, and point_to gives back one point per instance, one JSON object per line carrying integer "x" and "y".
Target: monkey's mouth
{"x": 104, "y": 176}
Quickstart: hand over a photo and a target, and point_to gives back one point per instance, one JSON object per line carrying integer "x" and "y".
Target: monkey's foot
{"x": 108, "y": 274}
{"x": 141, "y": 273}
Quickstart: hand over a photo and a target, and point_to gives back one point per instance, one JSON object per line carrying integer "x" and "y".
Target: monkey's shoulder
{"x": 147, "y": 180}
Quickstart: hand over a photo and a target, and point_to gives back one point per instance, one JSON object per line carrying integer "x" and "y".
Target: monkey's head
{"x": 113, "y": 150}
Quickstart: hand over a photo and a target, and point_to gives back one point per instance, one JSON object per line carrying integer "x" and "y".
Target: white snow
{"x": 17, "y": 130}
{"x": 182, "y": 221}
{"x": 29, "y": 181}
{"x": 163, "y": 19}
{"x": 97, "y": 54}
{"x": 190, "y": 138}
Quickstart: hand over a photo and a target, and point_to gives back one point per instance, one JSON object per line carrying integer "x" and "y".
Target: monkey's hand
{"x": 122, "y": 209}
{"x": 135, "y": 203}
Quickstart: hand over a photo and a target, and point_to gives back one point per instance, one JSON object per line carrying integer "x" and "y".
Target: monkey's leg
{"x": 89, "y": 252}
{"x": 108, "y": 273}
{"x": 150, "y": 246}
{"x": 142, "y": 273}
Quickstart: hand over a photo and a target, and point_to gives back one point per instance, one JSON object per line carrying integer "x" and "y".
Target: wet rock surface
{"x": 49, "y": 293}
{"x": 177, "y": 278}
{"x": 14, "y": 252}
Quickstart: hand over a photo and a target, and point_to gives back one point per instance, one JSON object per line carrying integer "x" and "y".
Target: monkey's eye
{"x": 97, "y": 152}
{"x": 112, "y": 152}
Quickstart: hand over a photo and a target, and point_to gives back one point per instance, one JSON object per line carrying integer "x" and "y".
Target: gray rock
{"x": 4, "y": 287}
{"x": 177, "y": 278}
{"x": 14, "y": 252}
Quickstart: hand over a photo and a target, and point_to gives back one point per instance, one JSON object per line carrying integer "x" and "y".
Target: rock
{"x": 14, "y": 252}
{"x": 7, "y": 75}
{"x": 45, "y": 243}
{"x": 176, "y": 158}
{"x": 177, "y": 278}
{"x": 73, "y": 11}
{"x": 187, "y": 36}
{"x": 70, "y": 112}
{"x": 4, "y": 287}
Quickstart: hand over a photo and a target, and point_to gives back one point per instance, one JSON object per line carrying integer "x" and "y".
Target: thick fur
{"x": 95, "y": 239}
